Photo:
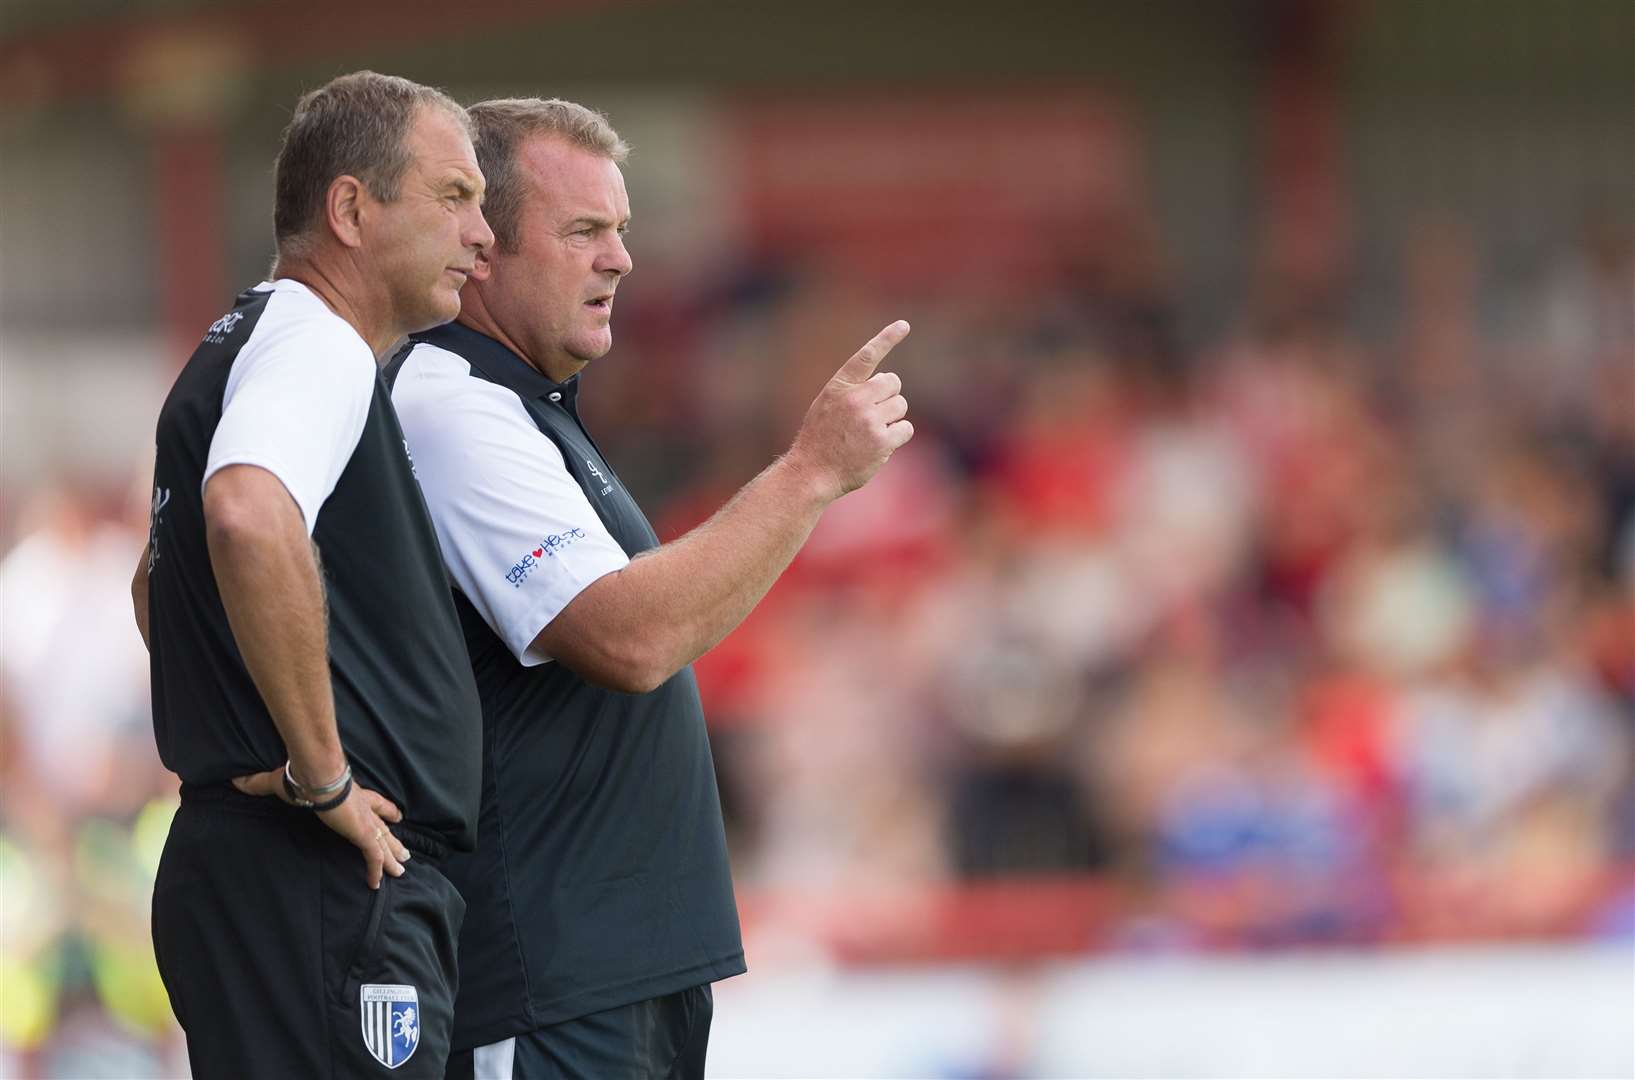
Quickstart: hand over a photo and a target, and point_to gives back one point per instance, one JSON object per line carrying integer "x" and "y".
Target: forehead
{"x": 439, "y": 142}
{"x": 571, "y": 180}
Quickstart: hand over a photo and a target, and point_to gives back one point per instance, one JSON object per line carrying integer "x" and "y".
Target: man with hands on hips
{"x": 601, "y": 905}
{"x": 303, "y": 640}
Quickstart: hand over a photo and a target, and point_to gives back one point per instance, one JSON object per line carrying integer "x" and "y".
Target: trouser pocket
{"x": 395, "y": 1005}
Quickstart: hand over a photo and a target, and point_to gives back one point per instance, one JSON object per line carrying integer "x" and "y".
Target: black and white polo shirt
{"x": 283, "y": 383}
{"x": 601, "y": 878}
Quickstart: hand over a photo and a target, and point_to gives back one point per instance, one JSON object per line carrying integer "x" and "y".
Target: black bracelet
{"x": 346, "y": 789}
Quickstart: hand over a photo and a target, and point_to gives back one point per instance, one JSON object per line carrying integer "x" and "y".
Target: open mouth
{"x": 600, "y": 303}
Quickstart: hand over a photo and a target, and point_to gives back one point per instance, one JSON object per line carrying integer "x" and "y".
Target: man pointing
{"x": 601, "y": 904}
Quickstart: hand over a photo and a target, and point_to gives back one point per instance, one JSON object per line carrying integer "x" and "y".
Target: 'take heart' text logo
{"x": 548, "y": 547}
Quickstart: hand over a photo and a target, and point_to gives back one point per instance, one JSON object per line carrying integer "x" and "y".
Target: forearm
{"x": 632, "y": 629}
{"x": 139, "y": 597}
{"x": 635, "y": 628}
{"x": 270, "y": 588}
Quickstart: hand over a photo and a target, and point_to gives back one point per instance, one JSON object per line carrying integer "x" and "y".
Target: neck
{"x": 475, "y": 315}
{"x": 345, "y": 295}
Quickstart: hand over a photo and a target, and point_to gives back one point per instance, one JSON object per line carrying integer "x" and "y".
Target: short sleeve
{"x": 295, "y": 403}
{"x": 519, "y": 536}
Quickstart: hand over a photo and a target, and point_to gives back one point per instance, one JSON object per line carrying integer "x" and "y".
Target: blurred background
{"x": 1236, "y": 675}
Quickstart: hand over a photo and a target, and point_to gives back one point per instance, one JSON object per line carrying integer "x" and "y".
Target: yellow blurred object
{"x": 33, "y": 912}
{"x": 127, "y": 980}
{"x": 151, "y": 829}
{"x": 28, "y": 1004}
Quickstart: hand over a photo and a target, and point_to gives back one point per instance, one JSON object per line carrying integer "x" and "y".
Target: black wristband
{"x": 346, "y": 790}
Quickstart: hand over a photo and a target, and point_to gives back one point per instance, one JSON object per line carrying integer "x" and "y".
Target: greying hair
{"x": 502, "y": 126}
{"x": 355, "y": 125}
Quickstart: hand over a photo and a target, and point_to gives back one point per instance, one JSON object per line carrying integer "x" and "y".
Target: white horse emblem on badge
{"x": 391, "y": 1022}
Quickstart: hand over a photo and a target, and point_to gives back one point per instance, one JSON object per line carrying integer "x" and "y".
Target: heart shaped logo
{"x": 538, "y": 552}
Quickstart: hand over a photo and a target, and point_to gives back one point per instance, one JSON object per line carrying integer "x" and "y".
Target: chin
{"x": 594, "y": 346}
{"x": 441, "y": 310}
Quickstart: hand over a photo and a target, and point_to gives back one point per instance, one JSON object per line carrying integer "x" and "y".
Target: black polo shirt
{"x": 283, "y": 383}
{"x": 602, "y": 875}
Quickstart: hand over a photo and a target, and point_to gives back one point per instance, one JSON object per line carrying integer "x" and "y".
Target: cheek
{"x": 552, "y": 285}
{"x": 407, "y": 246}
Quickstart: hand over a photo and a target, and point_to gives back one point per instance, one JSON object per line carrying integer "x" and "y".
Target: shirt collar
{"x": 500, "y": 363}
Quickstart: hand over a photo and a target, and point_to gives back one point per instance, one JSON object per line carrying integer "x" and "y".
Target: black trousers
{"x": 663, "y": 1038}
{"x": 280, "y": 960}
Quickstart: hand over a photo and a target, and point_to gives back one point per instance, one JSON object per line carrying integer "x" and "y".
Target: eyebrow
{"x": 594, "y": 222}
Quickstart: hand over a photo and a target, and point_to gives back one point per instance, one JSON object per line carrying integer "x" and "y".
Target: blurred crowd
{"x": 1303, "y": 633}
{"x": 1299, "y": 636}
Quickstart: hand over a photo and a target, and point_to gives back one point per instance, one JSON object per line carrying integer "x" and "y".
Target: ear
{"x": 343, "y": 209}
{"x": 483, "y": 268}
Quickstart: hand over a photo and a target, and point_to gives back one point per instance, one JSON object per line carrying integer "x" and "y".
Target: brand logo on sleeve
{"x": 218, "y": 331}
{"x": 156, "y": 512}
{"x": 547, "y": 548}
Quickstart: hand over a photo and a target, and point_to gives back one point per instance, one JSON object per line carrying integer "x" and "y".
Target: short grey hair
{"x": 502, "y": 125}
{"x": 355, "y": 125}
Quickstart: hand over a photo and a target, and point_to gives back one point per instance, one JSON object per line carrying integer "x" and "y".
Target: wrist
{"x": 325, "y": 796}
{"x": 323, "y": 769}
{"x": 812, "y": 481}
{"x": 339, "y": 797}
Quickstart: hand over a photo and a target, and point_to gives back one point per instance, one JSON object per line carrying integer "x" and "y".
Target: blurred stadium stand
{"x": 1259, "y": 581}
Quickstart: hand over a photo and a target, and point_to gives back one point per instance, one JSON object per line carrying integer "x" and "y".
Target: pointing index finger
{"x": 866, "y": 359}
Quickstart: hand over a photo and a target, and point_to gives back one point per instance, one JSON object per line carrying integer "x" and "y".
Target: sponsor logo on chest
{"x": 607, "y": 485}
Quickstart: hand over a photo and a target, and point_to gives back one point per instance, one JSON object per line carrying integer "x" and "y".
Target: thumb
{"x": 261, "y": 783}
{"x": 866, "y": 359}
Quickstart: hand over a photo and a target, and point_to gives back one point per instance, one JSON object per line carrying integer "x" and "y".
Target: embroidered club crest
{"x": 391, "y": 1022}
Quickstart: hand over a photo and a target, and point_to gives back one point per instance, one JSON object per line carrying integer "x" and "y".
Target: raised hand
{"x": 857, "y": 420}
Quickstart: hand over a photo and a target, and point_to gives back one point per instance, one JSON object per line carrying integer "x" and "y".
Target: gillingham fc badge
{"x": 391, "y": 1022}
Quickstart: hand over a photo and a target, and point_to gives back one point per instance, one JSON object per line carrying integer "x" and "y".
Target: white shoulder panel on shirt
{"x": 297, "y": 397}
{"x": 519, "y": 536}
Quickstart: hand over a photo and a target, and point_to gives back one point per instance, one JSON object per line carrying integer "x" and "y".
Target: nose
{"x": 476, "y": 233}
{"x": 615, "y": 258}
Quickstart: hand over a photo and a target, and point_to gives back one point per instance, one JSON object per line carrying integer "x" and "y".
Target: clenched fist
{"x": 857, "y": 420}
